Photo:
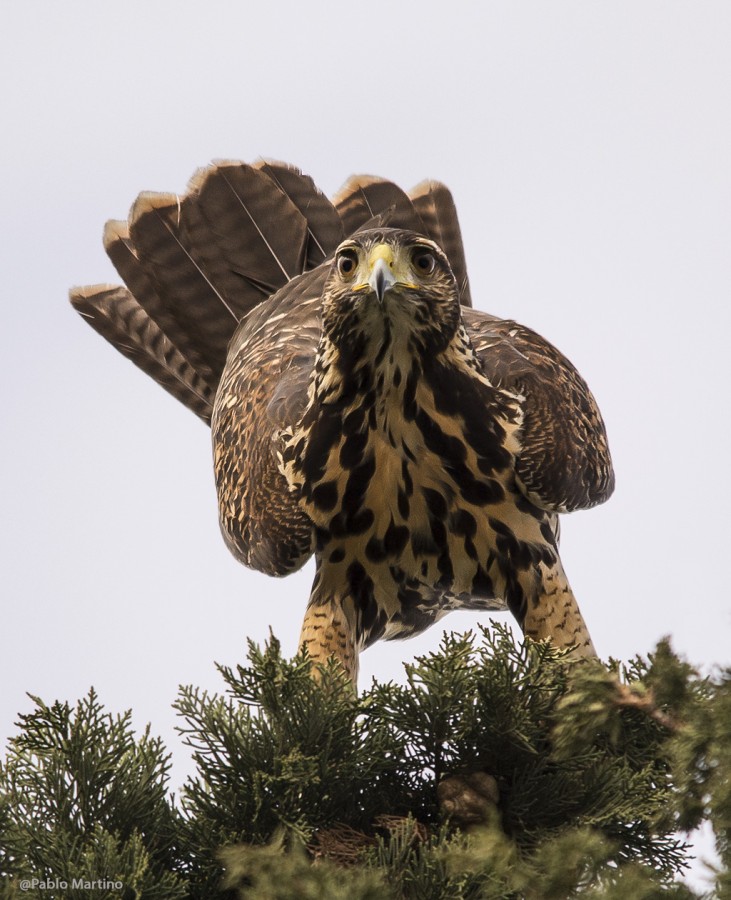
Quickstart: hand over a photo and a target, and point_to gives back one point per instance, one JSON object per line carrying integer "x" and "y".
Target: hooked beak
{"x": 381, "y": 277}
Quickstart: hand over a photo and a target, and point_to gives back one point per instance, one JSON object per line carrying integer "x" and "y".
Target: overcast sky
{"x": 588, "y": 148}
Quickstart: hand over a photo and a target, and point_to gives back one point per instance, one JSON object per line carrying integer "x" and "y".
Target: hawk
{"x": 361, "y": 410}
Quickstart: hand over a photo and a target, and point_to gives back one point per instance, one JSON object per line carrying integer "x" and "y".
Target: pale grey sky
{"x": 587, "y": 146}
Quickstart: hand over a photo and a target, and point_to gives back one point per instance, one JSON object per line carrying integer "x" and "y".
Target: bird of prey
{"x": 361, "y": 410}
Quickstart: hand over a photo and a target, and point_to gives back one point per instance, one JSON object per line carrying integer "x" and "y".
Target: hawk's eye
{"x": 423, "y": 261}
{"x": 347, "y": 263}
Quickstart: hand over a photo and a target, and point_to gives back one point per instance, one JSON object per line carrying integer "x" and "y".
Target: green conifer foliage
{"x": 304, "y": 789}
{"x": 82, "y": 800}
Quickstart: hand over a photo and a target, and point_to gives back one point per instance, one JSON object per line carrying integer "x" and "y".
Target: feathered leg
{"x": 552, "y": 613}
{"x": 327, "y": 631}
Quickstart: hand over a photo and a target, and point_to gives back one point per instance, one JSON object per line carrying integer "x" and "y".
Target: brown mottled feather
{"x": 264, "y": 387}
{"x": 564, "y": 464}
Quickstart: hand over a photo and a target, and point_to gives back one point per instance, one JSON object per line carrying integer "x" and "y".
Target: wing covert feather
{"x": 264, "y": 389}
{"x": 564, "y": 464}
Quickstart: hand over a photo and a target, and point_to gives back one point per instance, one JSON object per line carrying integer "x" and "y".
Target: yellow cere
{"x": 398, "y": 265}
{"x": 381, "y": 251}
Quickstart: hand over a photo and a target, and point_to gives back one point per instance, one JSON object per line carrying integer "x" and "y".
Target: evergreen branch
{"x": 581, "y": 776}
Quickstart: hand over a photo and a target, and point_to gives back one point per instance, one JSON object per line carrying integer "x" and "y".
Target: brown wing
{"x": 264, "y": 389}
{"x": 564, "y": 463}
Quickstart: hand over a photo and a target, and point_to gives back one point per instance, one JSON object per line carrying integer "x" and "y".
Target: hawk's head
{"x": 389, "y": 284}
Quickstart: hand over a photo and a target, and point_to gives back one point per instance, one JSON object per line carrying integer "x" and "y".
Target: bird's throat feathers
{"x": 388, "y": 360}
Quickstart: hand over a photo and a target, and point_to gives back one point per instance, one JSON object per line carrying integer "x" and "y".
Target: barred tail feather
{"x": 324, "y": 226}
{"x": 117, "y": 316}
{"x": 434, "y": 203}
{"x": 365, "y": 201}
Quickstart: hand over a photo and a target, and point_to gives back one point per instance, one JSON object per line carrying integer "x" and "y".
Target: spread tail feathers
{"x": 195, "y": 265}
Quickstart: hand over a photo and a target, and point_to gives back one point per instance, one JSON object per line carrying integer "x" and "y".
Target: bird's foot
{"x": 468, "y": 799}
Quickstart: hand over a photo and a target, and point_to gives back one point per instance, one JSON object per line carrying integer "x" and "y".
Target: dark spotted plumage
{"x": 360, "y": 409}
